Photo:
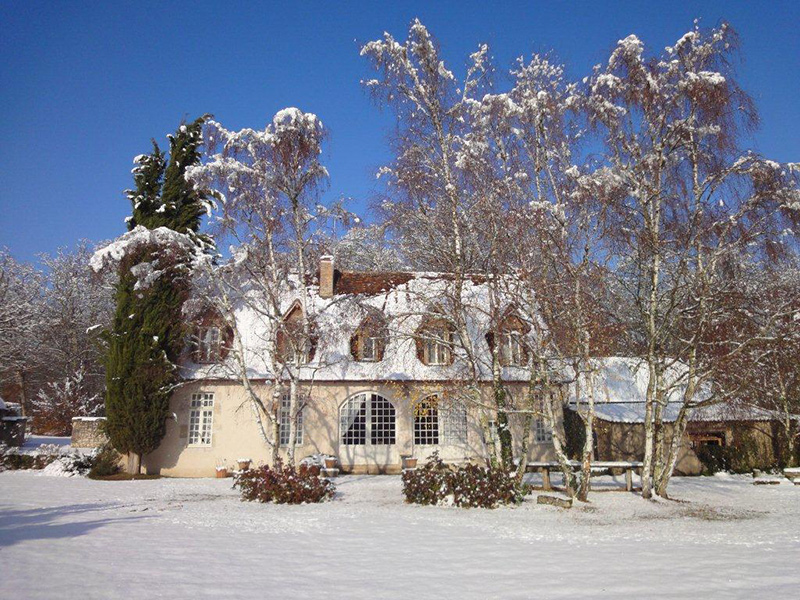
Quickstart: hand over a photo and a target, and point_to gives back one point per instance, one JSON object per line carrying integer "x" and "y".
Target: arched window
{"x": 367, "y": 418}
{"x": 369, "y": 341}
{"x": 440, "y": 422}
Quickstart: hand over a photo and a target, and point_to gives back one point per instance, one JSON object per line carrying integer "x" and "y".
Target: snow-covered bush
{"x": 469, "y": 486}
{"x": 73, "y": 464}
{"x": 55, "y": 460}
{"x": 284, "y": 485}
{"x": 13, "y": 459}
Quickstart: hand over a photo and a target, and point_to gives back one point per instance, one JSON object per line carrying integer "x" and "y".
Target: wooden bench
{"x": 544, "y": 467}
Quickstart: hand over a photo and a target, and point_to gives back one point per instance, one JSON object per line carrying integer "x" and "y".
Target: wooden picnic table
{"x": 546, "y": 466}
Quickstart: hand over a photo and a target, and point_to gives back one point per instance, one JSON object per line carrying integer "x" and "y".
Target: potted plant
{"x": 330, "y": 462}
{"x": 243, "y": 463}
{"x": 409, "y": 462}
{"x": 222, "y": 471}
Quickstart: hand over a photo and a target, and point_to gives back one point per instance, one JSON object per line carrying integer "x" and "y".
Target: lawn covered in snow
{"x": 183, "y": 538}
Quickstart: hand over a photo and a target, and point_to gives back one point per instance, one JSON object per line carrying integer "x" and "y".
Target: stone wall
{"x": 87, "y": 432}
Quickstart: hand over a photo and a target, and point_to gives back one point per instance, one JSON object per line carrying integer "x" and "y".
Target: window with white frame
{"x": 369, "y": 349}
{"x": 453, "y": 424}
{"x": 368, "y": 344}
{"x": 382, "y": 421}
{"x": 426, "y": 422}
{"x": 201, "y": 419}
{"x": 209, "y": 343}
{"x": 436, "y": 348}
{"x": 285, "y": 419}
{"x": 367, "y": 418}
{"x": 541, "y": 432}
{"x": 440, "y": 423}
{"x": 512, "y": 351}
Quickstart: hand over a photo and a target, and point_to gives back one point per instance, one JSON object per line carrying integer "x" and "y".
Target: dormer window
{"x": 294, "y": 345}
{"x": 437, "y": 347}
{"x": 512, "y": 349}
{"x": 369, "y": 341}
{"x": 369, "y": 349}
{"x": 209, "y": 344}
{"x": 211, "y": 338}
{"x": 435, "y": 344}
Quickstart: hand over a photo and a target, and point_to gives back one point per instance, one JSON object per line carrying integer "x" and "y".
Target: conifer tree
{"x": 147, "y": 332}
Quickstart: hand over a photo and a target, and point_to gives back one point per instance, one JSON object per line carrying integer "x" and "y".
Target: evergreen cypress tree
{"x": 147, "y": 333}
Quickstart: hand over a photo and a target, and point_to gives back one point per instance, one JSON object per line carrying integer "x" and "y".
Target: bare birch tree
{"x": 267, "y": 184}
{"x": 685, "y": 199}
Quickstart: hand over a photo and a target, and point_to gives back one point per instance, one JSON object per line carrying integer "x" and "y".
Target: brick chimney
{"x": 326, "y": 276}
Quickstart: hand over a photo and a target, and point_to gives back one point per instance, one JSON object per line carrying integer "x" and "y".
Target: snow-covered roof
{"x": 625, "y": 379}
{"x": 633, "y": 412}
{"x": 404, "y": 299}
{"x": 620, "y": 387}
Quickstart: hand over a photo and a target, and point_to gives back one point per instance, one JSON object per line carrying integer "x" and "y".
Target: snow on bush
{"x": 469, "y": 486}
{"x": 49, "y": 459}
{"x": 284, "y": 485}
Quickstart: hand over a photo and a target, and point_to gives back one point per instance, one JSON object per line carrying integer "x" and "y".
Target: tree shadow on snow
{"x": 41, "y": 523}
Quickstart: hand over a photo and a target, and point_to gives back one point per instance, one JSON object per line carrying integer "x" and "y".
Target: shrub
{"x": 713, "y": 458}
{"x": 428, "y": 484}
{"x": 470, "y": 486}
{"x": 284, "y": 485}
{"x": 14, "y": 460}
{"x": 105, "y": 462}
{"x": 743, "y": 455}
{"x": 747, "y": 453}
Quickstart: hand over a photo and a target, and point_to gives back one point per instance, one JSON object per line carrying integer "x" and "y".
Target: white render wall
{"x": 235, "y": 433}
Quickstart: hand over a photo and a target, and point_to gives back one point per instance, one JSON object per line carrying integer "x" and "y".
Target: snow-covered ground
{"x": 172, "y": 538}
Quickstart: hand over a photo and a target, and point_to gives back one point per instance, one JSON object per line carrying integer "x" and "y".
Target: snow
{"x": 170, "y": 538}
{"x": 138, "y": 237}
{"x": 404, "y": 306}
{"x": 634, "y": 412}
{"x": 32, "y": 442}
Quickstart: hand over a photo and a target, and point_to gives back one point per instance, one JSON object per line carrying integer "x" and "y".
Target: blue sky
{"x": 84, "y": 86}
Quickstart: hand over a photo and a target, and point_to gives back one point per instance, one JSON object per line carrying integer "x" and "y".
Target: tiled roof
{"x": 369, "y": 284}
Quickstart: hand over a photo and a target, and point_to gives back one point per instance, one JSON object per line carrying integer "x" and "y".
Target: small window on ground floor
{"x": 201, "y": 419}
{"x": 492, "y": 432}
